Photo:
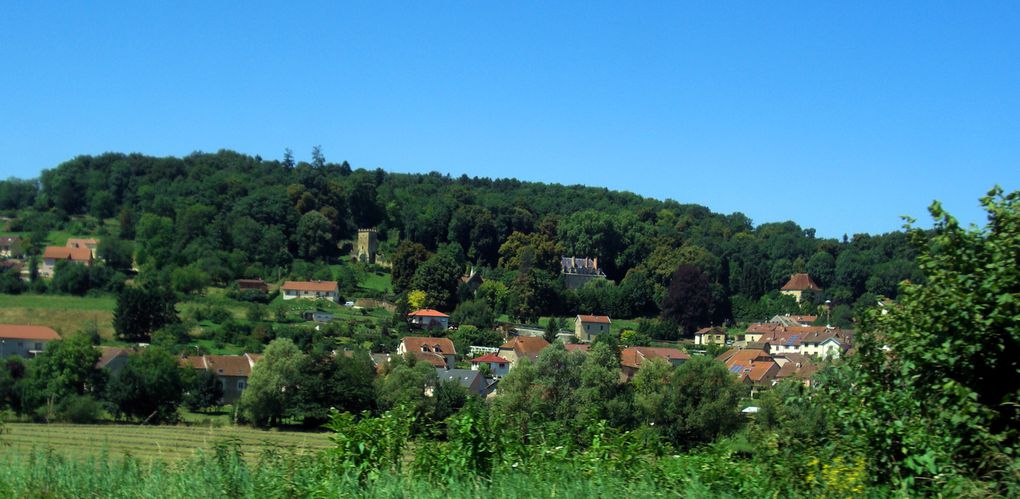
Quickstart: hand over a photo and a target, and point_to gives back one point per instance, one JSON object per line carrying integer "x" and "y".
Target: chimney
{"x": 595, "y": 263}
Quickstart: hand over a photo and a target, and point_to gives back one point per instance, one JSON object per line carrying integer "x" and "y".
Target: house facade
{"x": 428, "y": 318}
{"x": 53, "y": 254}
{"x": 587, "y": 327}
{"x": 632, "y": 358}
{"x": 311, "y": 290}
{"x": 522, "y": 347}
{"x": 440, "y": 352}
{"x": 710, "y": 336}
{"x": 798, "y": 284}
{"x": 498, "y": 366}
{"x": 24, "y": 340}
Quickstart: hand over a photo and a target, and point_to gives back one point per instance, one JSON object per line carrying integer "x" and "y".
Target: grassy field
{"x": 65, "y": 314}
{"x": 167, "y": 443}
{"x": 376, "y": 282}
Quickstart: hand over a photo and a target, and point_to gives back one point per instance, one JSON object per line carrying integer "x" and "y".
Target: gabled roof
{"x": 635, "y": 356}
{"x": 710, "y": 330}
{"x": 229, "y": 365}
{"x": 489, "y": 358}
{"x": 108, "y": 354}
{"x": 25, "y": 332}
{"x": 526, "y": 346}
{"x": 441, "y": 346}
{"x": 598, "y": 319}
{"x": 65, "y": 253}
{"x": 427, "y": 312}
{"x": 251, "y": 284}
{"x": 801, "y": 282}
{"x": 437, "y": 360}
{"x": 316, "y": 286}
{"x": 466, "y": 377}
{"x": 579, "y": 347}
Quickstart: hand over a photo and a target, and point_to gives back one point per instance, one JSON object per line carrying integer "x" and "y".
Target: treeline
{"x": 229, "y": 215}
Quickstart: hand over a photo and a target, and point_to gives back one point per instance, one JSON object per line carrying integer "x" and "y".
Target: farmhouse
{"x": 90, "y": 244}
{"x": 428, "y": 318}
{"x": 587, "y": 327}
{"x": 472, "y": 281}
{"x": 798, "y": 284}
{"x": 439, "y": 352}
{"x": 24, "y": 340}
{"x": 315, "y": 290}
{"x": 498, "y": 366}
{"x": 232, "y": 371}
{"x": 54, "y": 254}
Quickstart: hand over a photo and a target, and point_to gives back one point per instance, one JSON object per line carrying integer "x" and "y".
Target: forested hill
{"x": 234, "y": 216}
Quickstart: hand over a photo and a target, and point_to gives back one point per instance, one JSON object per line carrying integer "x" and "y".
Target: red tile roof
{"x": 635, "y": 356}
{"x": 435, "y": 359}
{"x": 427, "y": 312}
{"x": 317, "y": 286}
{"x": 801, "y": 282}
{"x": 489, "y": 358}
{"x": 599, "y": 319}
{"x": 24, "y": 332}
{"x": 222, "y": 365}
{"x": 526, "y": 346}
{"x": 580, "y": 347}
{"x": 81, "y": 243}
{"x": 65, "y": 253}
{"x": 425, "y": 344}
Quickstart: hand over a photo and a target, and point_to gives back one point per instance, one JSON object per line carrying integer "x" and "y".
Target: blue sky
{"x": 840, "y": 117}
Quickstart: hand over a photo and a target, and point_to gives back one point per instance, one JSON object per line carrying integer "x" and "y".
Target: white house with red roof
{"x": 498, "y": 366}
{"x": 53, "y": 254}
{"x": 315, "y": 290}
{"x": 428, "y": 318}
{"x": 24, "y": 340}
{"x": 587, "y": 327}
{"x": 440, "y": 352}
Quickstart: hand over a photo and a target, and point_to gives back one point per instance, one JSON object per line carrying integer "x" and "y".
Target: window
{"x": 241, "y": 385}
{"x": 38, "y": 346}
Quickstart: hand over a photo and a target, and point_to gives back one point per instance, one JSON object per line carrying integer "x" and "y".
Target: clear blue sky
{"x": 840, "y": 117}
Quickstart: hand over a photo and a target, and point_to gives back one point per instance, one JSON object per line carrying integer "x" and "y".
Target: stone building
{"x": 368, "y": 245}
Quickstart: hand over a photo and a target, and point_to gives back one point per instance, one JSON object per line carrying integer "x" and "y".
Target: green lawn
{"x": 169, "y": 443}
{"x": 376, "y": 282}
{"x": 65, "y": 314}
{"x": 59, "y": 302}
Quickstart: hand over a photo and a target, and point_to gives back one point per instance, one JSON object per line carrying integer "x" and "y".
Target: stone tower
{"x": 368, "y": 244}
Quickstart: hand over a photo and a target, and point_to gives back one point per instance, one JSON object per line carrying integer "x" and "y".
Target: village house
{"x": 472, "y": 281}
{"x": 795, "y": 366}
{"x": 753, "y": 367}
{"x": 232, "y": 371}
{"x": 11, "y": 247}
{"x": 498, "y": 366}
{"x": 798, "y": 284}
{"x": 439, "y": 352}
{"x": 632, "y": 358}
{"x": 754, "y": 332}
{"x": 522, "y": 347}
{"x": 428, "y": 318}
{"x": 53, "y": 254}
{"x": 577, "y": 347}
{"x": 24, "y": 340}
{"x": 710, "y": 336}
{"x": 315, "y": 290}
{"x": 90, "y": 244}
{"x": 587, "y": 327}
{"x": 578, "y": 271}
{"x": 819, "y": 341}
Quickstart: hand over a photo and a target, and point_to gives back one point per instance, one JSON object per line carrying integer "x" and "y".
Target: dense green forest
{"x": 216, "y": 217}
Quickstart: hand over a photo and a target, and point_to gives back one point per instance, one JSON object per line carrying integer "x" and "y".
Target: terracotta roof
{"x": 194, "y": 361}
{"x": 435, "y": 359}
{"x": 65, "y": 253}
{"x": 801, "y": 282}
{"x": 526, "y": 345}
{"x": 762, "y": 328}
{"x": 489, "y": 358}
{"x": 317, "y": 286}
{"x": 635, "y": 356}
{"x": 228, "y": 365}
{"x": 805, "y": 319}
{"x": 580, "y": 347}
{"x": 424, "y": 344}
{"x": 710, "y": 330}
{"x": 427, "y": 312}
{"x": 755, "y": 365}
{"x": 252, "y": 284}
{"x": 24, "y": 332}
{"x": 599, "y": 319}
